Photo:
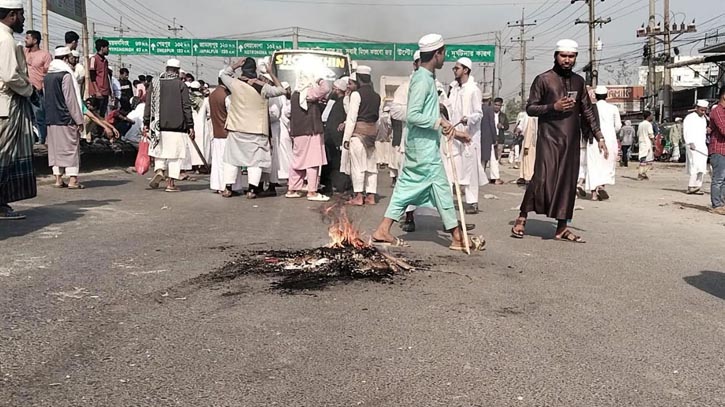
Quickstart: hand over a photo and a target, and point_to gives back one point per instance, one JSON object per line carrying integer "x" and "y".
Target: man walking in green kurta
{"x": 423, "y": 179}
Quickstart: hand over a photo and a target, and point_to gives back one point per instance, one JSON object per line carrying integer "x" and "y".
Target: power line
{"x": 365, "y": 4}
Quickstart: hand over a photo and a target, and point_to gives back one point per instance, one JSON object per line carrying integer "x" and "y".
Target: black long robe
{"x": 331, "y": 176}
{"x": 552, "y": 191}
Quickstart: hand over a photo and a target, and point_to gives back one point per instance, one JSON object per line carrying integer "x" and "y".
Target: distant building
{"x": 692, "y": 76}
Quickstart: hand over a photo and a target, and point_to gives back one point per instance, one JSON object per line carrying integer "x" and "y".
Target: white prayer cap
{"x": 629, "y": 122}
{"x": 62, "y": 51}
{"x": 567, "y": 46}
{"x": 195, "y": 85}
{"x": 285, "y": 85}
{"x": 364, "y": 69}
{"x": 430, "y": 42}
{"x": 75, "y": 53}
{"x": 353, "y": 77}
{"x": 221, "y": 73}
{"x": 188, "y": 84}
{"x": 466, "y": 62}
{"x": 487, "y": 95}
{"x": 173, "y": 63}
{"x": 11, "y": 4}
{"x": 341, "y": 84}
{"x": 416, "y": 55}
{"x": 702, "y": 103}
{"x": 678, "y": 119}
{"x": 600, "y": 90}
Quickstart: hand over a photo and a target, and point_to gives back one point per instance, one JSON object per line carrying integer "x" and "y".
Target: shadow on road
{"x": 702, "y": 208}
{"x": 711, "y": 282}
{"x": 100, "y": 183}
{"x": 428, "y": 229}
{"x": 43, "y": 216}
{"x": 684, "y": 192}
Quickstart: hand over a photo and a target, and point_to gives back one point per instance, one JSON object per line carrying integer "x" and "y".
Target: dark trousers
{"x": 625, "y": 156}
{"x": 331, "y": 177}
{"x": 102, "y": 106}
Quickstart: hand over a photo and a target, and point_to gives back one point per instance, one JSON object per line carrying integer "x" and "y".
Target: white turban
{"x": 364, "y": 69}
{"x": 567, "y": 46}
{"x": 341, "y": 83}
{"x": 466, "y": 62}
{"x": 62, "y": 51}
{"x": 430, "y": 42}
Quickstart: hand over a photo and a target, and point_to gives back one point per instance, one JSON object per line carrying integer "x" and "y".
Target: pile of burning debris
{"x": 348, "y": 257}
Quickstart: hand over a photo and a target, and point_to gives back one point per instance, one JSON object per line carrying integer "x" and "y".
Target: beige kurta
{"x": 529, "y": 148}
{"x": 64, "y": 141}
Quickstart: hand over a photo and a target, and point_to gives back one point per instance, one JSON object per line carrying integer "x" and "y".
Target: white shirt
{"x": 13, "y": 70}
{"x": 609, "y": 121}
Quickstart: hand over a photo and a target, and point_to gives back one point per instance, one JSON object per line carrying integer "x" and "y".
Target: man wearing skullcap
{"x": 64, "y": 117}
{"x": 359, "y": 139}
{"x": 17, "y": 178}
{"x": 465, "y": 99}
{"x": 169, "y": 120}
{"x": 601, "y": 170}
{"x": 560, "y": 100}
{"x": 423, "y": 179}
{"x": 694, "y": 129}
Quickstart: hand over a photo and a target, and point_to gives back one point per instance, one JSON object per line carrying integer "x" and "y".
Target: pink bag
{"x": 143, "y": 161}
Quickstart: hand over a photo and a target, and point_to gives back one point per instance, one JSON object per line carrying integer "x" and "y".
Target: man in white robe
{"x": 601, "y": 169}
{"x": 465, "y": 109}
{"x": 285, "y": 147}
{"x": 248, "y": 126}
{"x": 276, "y": 107}
{"x": 200, "y": 111}
{"x": 694, "y": 129}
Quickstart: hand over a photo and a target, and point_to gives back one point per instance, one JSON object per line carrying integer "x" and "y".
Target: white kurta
{"x": 201, "y": 135}
{"x": 284, "y": 145}
{"x": 644, "y": 132}
{"x": 465, "y": 101}
{"x": 694, "y": 130}
{"x": 276, "y": 105}
{"x": 600, "y": 170}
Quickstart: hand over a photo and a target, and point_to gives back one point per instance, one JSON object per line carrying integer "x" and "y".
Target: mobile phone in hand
{"x": 572, "y": 94}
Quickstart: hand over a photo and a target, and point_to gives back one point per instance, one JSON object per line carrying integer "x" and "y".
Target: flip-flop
{"x": 603, "y": 195}
{"x": 77, "y": 186}
{"x": 518, "y": 235}
{"x": 63, "y": 185}
{"x": 294, "y": 195}
{"x": 582, "y": 193}
{"x": 569, "y": 237}
{"x": 188, "y": 178}
{"x": 476, "y": 244}
{"x": 318, "y": 198}
{"x": 398, "y": 242}
{"x": 156, "y": 180}
{"x": 408, "y": 227}
{"x": 172, "y": 189}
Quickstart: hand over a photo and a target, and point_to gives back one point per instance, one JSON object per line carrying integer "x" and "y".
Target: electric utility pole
{"x": 522, "y": 40}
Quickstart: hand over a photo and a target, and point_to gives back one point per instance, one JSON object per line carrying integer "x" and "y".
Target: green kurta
{"x": 423, "y": 180}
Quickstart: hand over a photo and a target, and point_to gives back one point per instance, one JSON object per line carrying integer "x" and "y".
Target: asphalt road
{"x": 97, "y": 309}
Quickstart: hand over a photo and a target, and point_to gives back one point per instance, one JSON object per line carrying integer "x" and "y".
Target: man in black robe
{"x": 331, "y": 177}
{"x": 560, "y": 100}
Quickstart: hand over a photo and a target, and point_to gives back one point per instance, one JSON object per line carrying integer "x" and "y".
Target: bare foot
{"x": 356, "y": 201}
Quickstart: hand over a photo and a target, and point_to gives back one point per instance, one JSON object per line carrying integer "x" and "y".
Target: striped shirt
{"x": 717, "y": 126}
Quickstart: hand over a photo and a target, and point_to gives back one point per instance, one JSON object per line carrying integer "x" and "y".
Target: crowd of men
{"x": 254, "y": 133}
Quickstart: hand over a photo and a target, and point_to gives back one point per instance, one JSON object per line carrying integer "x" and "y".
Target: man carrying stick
{"x": 423, "y": 179}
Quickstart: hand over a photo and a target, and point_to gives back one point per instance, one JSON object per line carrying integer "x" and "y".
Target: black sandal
{"x": 569, "y": 237}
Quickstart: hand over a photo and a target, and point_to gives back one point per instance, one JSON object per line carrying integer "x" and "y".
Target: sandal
{"x": 172, "y": 189}
{"x": 76, "y": 186}
{"x": 9, "y": 214}
{"x": 318, "y": 198}
{"x": 580, "y": 190}
{"x": 570, "y": 237}
{"x": 408, "y": 227}
{"x": 293, "y": 195}
{"x": 156, "y": 180}
{"x": 519, "y": 234}
{"x": 398, "y": 242}
{"x": 63, "y": 185}
{"x": 227, "y": 193}
{"x": 603, "y": 195}
{"x": 475, "y": 244}
{"x": 187, "y": 177}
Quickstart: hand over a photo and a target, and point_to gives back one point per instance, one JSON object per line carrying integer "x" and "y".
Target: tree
{"x": 620, "y": 73}
{"x": 513, "y": 108}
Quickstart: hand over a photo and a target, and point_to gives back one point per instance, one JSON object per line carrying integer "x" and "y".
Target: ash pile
{"x": 347, "y": 258}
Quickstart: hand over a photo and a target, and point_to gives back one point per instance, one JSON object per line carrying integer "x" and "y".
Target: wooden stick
{"x": 458, "y": 194}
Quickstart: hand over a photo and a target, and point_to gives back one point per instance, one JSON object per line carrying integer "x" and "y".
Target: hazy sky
{"x": 401, "y": 21}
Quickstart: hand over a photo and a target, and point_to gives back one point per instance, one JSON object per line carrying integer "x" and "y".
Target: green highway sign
{"x": 129, "y": 46}
{"x": 171, "y": 46}
{"x": 361, "y": 51}
{"x": 356, "y": 50}
{"x": 214, "y": 48}
{"x": 252, "y": 48}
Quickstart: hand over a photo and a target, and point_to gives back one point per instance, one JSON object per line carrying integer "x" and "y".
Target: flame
{"x": 342, "y": 231}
